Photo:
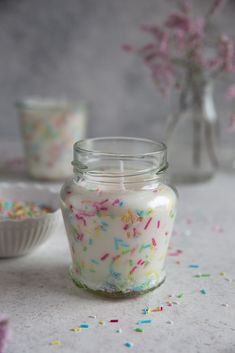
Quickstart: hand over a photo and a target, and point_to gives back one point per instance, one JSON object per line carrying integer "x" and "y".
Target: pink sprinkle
{"x": 133, "y": 250}
{"x": 125, "y": 227}
{"x": 115, "y": 202}
{"x": 139, "y": 262}
{"x": 217, "y": 229}
{"x": 147, "y": 224}
{"x": 158, "y": 224}
{"x": 176, "y": 253}
{"x": 103, "y": 208}
{"x": 154, "y": 242}
{"x": 104, "y": 201}
{"x": 4, "y": 333}
{"x": 189, "y": 220}
{"x": 114, "y": 320}
{"x": 80, "y": 236}
{"x": 142, "y": 263}
{"x": 104, "y": 257}
{"x": 81, "y": 218}
{"x": 134, "y": 232}
{"x": 133, "y": 269}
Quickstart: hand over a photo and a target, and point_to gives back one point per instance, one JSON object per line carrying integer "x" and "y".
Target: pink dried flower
{"x": 4, "y": 334}
{"x": 177, "y": 21}
{"x": 163, "y": 77}
{"x": 214, "y": 64}
{"x": 232, "y": 123}
{"x": 185, "y": 6}
{"x": 198, "y": 27}
{"x": 179, "y": 47}
{"x": 179, "y": 38}
{"x": 128, "y": 48}
{"x": 216, "y": 7}
{"x": 227, "y": 53}
{"x": 159, "y": 35}
{"x": 230, "y": 93}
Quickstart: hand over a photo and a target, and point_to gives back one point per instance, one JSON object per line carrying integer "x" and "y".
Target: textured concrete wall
{"x": 73, "y": 48}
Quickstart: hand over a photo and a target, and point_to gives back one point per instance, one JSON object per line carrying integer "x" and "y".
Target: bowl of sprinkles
{"x": 29, "y": 214}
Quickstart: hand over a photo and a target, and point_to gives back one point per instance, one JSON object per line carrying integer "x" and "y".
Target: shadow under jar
{"x": 119, "y": 213}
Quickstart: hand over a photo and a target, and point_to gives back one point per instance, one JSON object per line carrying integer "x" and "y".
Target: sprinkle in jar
{"x": 119, "y": 212}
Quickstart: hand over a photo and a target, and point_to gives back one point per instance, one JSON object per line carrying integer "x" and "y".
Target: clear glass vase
{"x": 192, "y": 135}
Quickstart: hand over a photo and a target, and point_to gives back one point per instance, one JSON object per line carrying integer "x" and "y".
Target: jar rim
{"x": 157, "y": 147}
{"x": 41, "y": 104}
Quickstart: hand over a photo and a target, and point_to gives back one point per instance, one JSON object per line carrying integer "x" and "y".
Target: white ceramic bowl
{"x": 19, "y": 237}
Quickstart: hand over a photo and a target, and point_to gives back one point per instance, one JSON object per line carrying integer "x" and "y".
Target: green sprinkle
{"x": 205, "y": 275}
{"x": 138, "y": 330}
{"x": 180, "y": 295}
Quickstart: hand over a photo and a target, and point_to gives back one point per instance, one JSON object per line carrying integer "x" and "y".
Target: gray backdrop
{"x": 73, "y": 48}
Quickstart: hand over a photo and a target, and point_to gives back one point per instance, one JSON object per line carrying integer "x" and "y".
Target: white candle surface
{"x": 118, "y": 235}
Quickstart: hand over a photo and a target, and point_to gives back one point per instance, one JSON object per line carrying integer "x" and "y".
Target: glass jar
{"x": 192, "y": 135}
{"x": 118, "y": 212}
{"x": 49, "y": 130}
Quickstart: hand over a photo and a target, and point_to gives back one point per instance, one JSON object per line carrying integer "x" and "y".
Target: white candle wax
{"x": 119, "y": 235}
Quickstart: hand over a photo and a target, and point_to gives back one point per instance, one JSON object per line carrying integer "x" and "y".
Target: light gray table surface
{"x": 43, "y": 304}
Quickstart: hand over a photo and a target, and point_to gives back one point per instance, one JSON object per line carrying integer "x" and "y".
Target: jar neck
{"x": 106, "y": 162}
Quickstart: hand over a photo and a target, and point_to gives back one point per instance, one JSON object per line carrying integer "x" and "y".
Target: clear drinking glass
{"x": 49, "y": 130}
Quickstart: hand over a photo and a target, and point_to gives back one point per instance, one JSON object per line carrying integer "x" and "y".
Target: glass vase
{"x": 192, "y": 136}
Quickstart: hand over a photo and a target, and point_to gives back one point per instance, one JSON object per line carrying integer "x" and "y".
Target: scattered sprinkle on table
{"x": 225, "y": 305}
{"x": 119, "y": 330}
{"x": 113, "y": 321}
{"x": 170, "y": 322}
{"x": 102, "y": 323}
{"x": 76, "y": 329}
{"x": 194, "y": 266}
{"x": 129, "y": 344}
{"x": 203, "y": 291}
{"x": 138, "y": 329}
{"x": 55, "y": 343}
{"x": 180, "y": 295}
{"x": 142, "y": 322}
{"x": 84, "y": 326}
{"x": 92, "y": 316}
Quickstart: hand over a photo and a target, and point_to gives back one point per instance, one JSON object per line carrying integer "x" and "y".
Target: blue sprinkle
{"x": 8, "y": 205}
{"x": 140, "y": 322}
{"x": 116, "y": 275}
{"x": 129, "y": 344}
{"x": 139, "y": 213}
{"x": 96, "y": 262}
{"x": 90, "y": 241}
{"x": 84, "y": 326}
{"x": 203, "y": 291}
{"x": 145, "y": 311}
{"x": 194, "y": 266}
{"x": 117, "y": 243}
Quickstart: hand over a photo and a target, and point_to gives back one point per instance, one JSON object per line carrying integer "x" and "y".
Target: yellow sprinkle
{"x": 76, "y": 329}
{"x": 55, "y": 343}
{"x": 222, "y": 273}
{"x": 101, "y": 323}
